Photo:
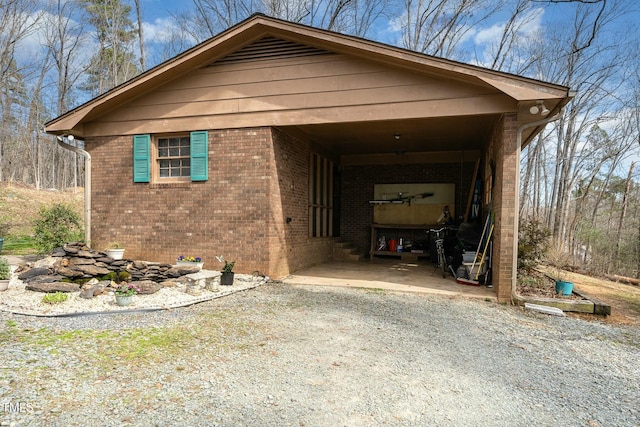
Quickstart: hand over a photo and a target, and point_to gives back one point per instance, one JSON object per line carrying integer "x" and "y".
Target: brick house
{"x": 266, "y": 142}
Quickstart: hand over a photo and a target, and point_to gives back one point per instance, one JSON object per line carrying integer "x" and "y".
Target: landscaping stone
{"x": 53, "y": 287}
{"x": 147, "y": 287}
{"x": 76, "y": 261}
{"x": 34, "y": 272}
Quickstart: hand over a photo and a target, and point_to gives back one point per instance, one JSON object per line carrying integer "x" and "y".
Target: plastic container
{"x": 468, "y": 256}
{"x": 563, "y": 287}
{"x": 393, "y": 245}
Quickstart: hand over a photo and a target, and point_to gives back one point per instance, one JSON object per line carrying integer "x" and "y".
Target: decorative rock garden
{"x": 90, "y": 277}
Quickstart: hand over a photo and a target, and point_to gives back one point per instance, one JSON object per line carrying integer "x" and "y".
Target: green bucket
{"x": 563, "y": 287}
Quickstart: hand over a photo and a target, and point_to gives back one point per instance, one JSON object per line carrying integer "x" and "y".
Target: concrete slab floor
{"x": 388, "y": 274}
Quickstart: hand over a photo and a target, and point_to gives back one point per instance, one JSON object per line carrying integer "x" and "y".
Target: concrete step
{"x": 346, "y": 251}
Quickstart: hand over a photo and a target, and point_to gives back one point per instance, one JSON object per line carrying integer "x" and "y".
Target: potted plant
{"x": 5, "y": 274}
{"x": 189, "y": 261}
{"x": 227, "y": 271}
{"x": 115, "y": 250}
{"x": 124, "y": 294}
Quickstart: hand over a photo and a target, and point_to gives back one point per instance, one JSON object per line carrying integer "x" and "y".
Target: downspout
{"x": 87, "y": 184}
{"x": 516, "y": 221}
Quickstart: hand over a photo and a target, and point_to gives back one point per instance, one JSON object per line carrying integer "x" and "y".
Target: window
{"x": 171, "y": 157}
{"x": 174, "y": 157}
{"x": 320, "y": 197}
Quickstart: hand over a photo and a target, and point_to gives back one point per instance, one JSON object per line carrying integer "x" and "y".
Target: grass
{"x": 214, "y": 333}
{"x": 24, "y": 245}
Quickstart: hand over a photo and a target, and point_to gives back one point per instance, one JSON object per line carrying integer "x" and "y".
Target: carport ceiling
{"x": 415, "y": 135}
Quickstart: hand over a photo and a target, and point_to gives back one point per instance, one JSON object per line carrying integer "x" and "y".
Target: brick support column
{"x": 505, "y": 200}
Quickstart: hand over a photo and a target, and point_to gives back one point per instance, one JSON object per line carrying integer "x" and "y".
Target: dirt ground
{"x": 624, "y": 299}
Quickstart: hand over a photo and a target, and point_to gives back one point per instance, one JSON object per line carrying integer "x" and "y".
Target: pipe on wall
{"x": 87, "y": 183}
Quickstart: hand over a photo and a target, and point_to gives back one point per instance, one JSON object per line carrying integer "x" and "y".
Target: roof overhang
{"x": 524, "y": 91}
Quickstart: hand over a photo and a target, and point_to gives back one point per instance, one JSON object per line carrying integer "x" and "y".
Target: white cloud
{"x": 161, "y": 30}
{"x": 527, "y": 25}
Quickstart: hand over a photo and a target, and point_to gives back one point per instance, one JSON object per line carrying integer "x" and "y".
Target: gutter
{"x": 516, "y": 221}
{"x": 87, "y": 183}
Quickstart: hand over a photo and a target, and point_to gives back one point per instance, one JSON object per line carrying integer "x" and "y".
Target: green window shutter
{"x": 199, "y": 156}
{"x": 141, "y": 158}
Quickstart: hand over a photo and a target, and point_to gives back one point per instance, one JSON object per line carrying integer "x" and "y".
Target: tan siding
{"x": 295, "y": 91}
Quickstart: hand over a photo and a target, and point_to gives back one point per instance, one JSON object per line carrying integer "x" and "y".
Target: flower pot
{"x": 115, "y": 253}
{"x": 124, "y": 300}
{"x": 190, "y": 264}
{"x": 227, "y": 279}
{"x": 563, "y": 287}
{"x": 4, "y": 284}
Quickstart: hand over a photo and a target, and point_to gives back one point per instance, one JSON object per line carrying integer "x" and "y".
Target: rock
{"x": 81, "y": 261}
{"x": 47, "y": 262}
{"x": 169, "y": 284}
{"x": 45, "y": 279}
{"x": 181, "y": 271}
{"x": 147, "y": 287}
{"x": 92, "y": 270}
{"x": 58, "y": 252}
{"x": 70, "y": 273}
{"x": 93, "y": 288}
{"x": 140, "y": 265}
{"x": 38, "y": 271}
{"x": 88, "y": 254}
{"x": 100, "y": 290}
{"x": 69, "y": 249}
{"x": 87, "y": 292}
{"x": 119, "y": 263}
{"x": 53, "y": 287}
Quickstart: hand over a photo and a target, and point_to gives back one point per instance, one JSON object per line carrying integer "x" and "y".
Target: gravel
{"x": 282, "y": 355}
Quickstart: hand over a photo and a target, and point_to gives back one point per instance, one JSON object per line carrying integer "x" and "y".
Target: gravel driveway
{"x": 320, "y": 356}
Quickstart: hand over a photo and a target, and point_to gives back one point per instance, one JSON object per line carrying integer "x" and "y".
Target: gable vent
{"x": 271, "y": 48}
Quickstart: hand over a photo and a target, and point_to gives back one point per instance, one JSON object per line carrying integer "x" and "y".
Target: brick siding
{"x": 506, "y": 156}
{"x": 257, "y": 178}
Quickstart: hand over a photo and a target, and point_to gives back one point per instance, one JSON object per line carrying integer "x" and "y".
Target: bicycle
{"x": 441, "y": 257}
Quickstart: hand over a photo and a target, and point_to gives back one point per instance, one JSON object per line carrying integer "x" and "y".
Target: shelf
{"x": 411, "y": 231}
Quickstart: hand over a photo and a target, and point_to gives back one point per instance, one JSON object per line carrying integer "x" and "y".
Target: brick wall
{"x": 357, "y": 189}
{"x": 506, "y": 156}
{"x": 257, "y": 178}
{"x": 291, "y": 246}
{"x": 226, "y": 215}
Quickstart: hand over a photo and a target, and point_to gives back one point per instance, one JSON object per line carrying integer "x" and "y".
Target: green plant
{"x": 228, "y": 266}
{"x": 55, "y": 226}
{"x": 126, "y": 290}
{"x": 5, "y": 269}
{"x": 55, "y": 298}
{"x": 115, "y": 245}
{"x": 533, "y": 243}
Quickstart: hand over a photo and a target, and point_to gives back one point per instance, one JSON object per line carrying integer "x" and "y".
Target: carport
{"x": 302, "y": 138}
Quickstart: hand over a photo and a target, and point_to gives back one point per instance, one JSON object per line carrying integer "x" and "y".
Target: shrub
{"x": 55, "y": 298}
{"x": 5, "y": 269}
{"x": 533, "y": 243}
{"x": 55, "y": 226}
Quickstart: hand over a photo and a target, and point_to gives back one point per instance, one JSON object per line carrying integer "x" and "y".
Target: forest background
{"x": 579, "y": 177}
